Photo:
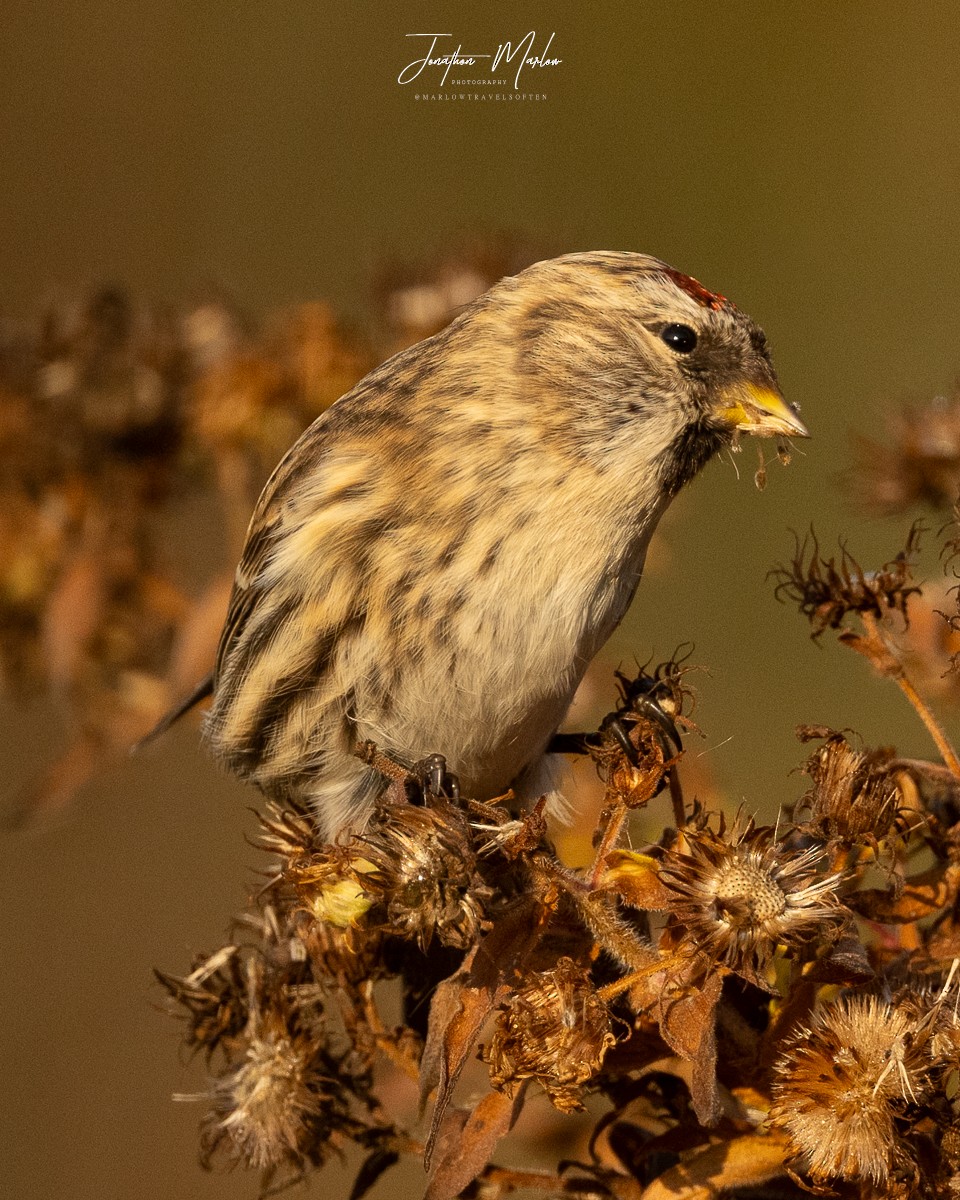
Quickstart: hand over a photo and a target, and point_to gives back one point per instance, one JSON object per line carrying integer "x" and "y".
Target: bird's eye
{"x": 679, "y": 337}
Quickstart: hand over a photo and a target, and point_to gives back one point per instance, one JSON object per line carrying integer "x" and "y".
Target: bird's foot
{"x": 432, "y": 779}
{"x": 618, "y": 725}
{"x": 417, "y": 782}
{"x": 640, "y": 723}
{"x": 653, "y": 699}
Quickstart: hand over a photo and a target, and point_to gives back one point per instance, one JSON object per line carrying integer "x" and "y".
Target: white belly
{"x": 492, "y": 699}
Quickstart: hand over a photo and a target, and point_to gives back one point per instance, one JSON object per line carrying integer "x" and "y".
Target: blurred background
{"x": 216, "y": 217}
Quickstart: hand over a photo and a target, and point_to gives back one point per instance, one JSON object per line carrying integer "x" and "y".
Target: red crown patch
{"x": 696, "y": 290}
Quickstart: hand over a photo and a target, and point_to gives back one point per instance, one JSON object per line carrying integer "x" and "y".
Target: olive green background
{"x": 801, "y": 157}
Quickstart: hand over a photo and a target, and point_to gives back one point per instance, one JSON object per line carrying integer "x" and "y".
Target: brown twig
{"x": 877, "y": 650}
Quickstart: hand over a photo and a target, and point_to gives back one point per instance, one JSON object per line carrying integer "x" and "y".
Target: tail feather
{"x": 203, "y": 689}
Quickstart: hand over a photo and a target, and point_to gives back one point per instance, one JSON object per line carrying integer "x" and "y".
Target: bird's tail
{"x": 203, "y": 689}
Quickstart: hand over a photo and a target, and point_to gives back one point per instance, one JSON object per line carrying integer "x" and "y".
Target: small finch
{"x": 435, "y": 562}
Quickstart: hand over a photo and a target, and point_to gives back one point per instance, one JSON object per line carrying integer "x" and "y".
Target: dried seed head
{"x": 840, "y": 1083}
{"x": 289, "y": 834}
{"x": 930, "y": 1000}
{"x": 828, "y": 590}
{"x": 554, "y": 1029}
{"x": 212, "y": 999}
{"x": 282, "y": 1097}
{"x": 740, "y": 895}
{"x": 422, "y": 874}
{"x": 854, "y": 797}
{"x": 918, "y": 461}
{"x": 266, "y": 1108}
{"x": 629, "y": 783}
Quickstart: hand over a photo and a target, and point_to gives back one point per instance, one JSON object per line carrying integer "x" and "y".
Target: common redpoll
{"x": 435, "y": 562}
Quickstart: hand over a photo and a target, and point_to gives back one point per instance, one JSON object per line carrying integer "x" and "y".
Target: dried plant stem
{"x": 385, "y": 1041}
{"x": 597, "y": 913}
{"x": 676, "y": 798}
{"x": 942, "y": 742}
{"x": 875, "y": 648}
{"x": 611, "y": 835}
{"x": 611, "y": 990}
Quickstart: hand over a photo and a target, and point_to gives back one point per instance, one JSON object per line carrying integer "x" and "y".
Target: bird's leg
{"x": 618, "y": 725}
{"x": 398, "y": 773}
{"x": 572, "y": 743}
{"x": 583, "y": 743}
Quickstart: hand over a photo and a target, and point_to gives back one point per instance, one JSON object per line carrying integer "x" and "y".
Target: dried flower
{"x": 213, "y": 998}
{"x": 424, "y": 873}
{"x": 278, "y": 1102}
{"x": 412, "y": 874}
{"x": 827, "y": 590}
{"x": 855, "y": 797}
{"x": 738, "y": 896}
{"x": 554, "y": 1029}
{"x": 840, "y": 1083}
{"x": 639, "y": 741}
{"x": 917, "y": 463}
{"x": 924, "y": 996}
{"x": 330, "y": 885}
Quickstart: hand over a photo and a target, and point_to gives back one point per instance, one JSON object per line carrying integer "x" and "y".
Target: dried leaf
{"x": 466, "y": 1140}
{"x": 921, "y": 896}
{"x": 457, "y": 1041}
{"x": 743, "y": 1162}
{"x": 635, "y": 878}
{"x": 446, "y": 1004}
{"x": 688, "y": 1026}
{"x": 451, "y": 1039}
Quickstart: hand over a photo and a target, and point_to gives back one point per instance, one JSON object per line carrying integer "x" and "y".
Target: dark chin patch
{"x": 688, "y": 454}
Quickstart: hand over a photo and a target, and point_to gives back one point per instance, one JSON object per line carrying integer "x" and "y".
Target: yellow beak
{"x": 760, "y": 409}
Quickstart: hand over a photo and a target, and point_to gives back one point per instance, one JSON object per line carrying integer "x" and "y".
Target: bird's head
{"x": 642, "y": 364}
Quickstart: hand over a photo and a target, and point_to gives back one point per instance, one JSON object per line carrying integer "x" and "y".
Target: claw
{"x": 647, "y": 707}
{"x": 615, "y": 725}
{"x": 640, "y": 703}
{"x": 434, "y": 779}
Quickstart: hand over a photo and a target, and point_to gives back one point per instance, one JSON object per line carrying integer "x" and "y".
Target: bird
{"x": 434, "y": 563}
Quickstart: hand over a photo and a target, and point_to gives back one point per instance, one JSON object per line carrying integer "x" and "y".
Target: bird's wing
{"x": 306, "y": 535}
{"x": 266, "y": 530}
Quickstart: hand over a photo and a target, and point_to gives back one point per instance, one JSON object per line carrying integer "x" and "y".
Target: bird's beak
{"x": 758, "y": 408}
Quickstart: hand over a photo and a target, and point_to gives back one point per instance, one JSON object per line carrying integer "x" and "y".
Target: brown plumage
{"x": 435, "y": 562}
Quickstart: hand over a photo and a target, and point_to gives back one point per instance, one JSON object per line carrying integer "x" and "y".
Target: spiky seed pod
{"x": 840, "y": 1083}
{"x": 827, "y": 590}
{"x": 854, "y": 797}
{"x": 263, "y": 1106}
{"x": 423, "y": 875}
{"x": 212, "y": 999}
{"x": 739, "y": 895}
{"x": 929, "y": 1000}
{"x": 279, "y": 1102}
{"x": 554, "y": 1029}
